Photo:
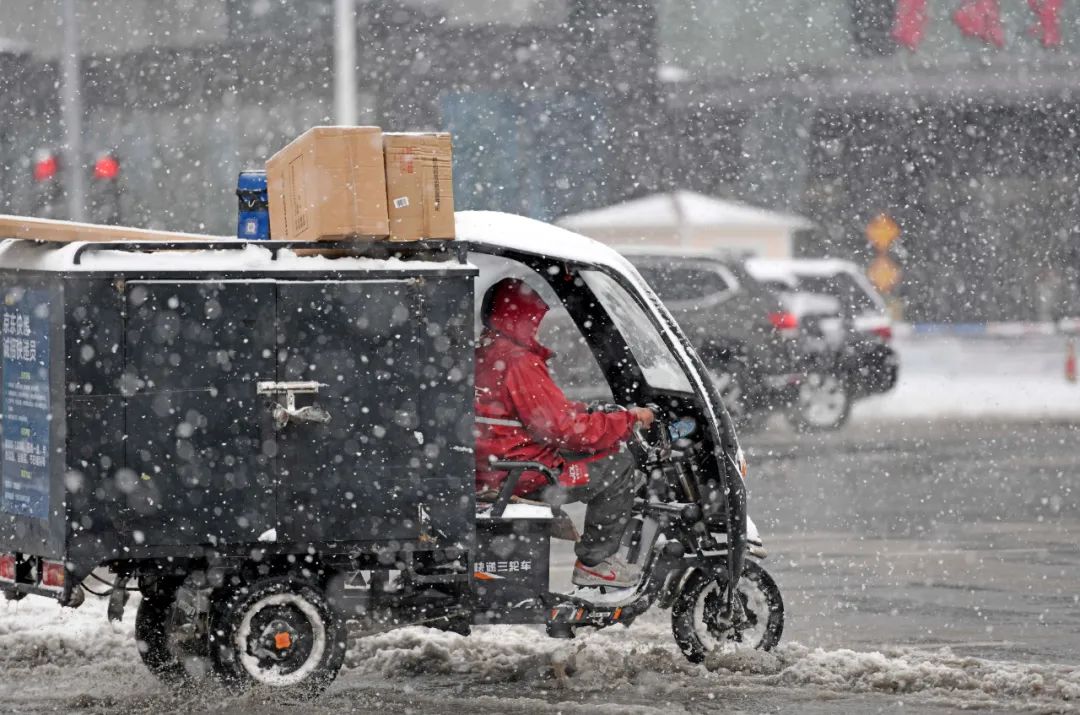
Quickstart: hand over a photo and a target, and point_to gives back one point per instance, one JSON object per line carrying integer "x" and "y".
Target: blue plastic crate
{"x": 253, "y": 218}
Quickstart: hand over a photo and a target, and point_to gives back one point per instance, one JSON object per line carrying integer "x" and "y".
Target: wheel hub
{"x": 276, "y": 640}
{"x": 281, "y": 640}
{"x": 724, "y": 628}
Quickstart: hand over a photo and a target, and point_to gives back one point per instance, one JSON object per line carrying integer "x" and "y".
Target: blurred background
{"x": 957, "y": 120}
{"x": 863, "y": 213}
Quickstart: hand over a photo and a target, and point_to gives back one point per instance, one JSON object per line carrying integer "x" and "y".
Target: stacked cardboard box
{"x": 335, "y": 183}
{"x": 419, "y": 185}
{"x": 329, "y": 184}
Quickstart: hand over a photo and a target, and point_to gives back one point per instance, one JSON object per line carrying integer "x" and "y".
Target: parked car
{"x": 747, "y": 339}
{"x": 845, "y": 331}
{"x": 843, "y": 280}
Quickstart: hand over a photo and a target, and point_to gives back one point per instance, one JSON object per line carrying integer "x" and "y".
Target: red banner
{"x": 910, "y": 23}
{"x": 981, "y": 19}
{"x": 1048, "y": 29}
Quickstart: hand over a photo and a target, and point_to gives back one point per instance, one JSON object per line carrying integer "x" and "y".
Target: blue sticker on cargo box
{"x": 26, "y": 404}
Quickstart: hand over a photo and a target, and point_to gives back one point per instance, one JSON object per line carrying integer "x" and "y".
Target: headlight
{"x": 740, "y": 460}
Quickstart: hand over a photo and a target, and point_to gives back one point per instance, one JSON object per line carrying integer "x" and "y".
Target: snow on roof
{"x": 29, "y": 255}
{"x": 503, "y": 230}
{"x": 490, "y": 228}
{"x": 664, "y": 210}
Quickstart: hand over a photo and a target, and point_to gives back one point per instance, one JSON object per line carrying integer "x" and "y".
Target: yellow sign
{"x": 881, "y": 232}
{"x": 884, "y": 274}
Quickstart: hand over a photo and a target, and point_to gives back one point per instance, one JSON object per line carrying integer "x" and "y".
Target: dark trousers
{"x": 609, "y": 497}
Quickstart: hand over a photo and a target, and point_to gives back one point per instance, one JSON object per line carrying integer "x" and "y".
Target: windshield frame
{"x": 643, "y": 341}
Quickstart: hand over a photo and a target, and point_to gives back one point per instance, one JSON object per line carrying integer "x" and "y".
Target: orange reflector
{"x": 483, "y": 576}
{"x": 282, "y": 641}
{"x": 618, "y": 612}
{"x": 580, "y": 612}
{"x": 554, "y": 613}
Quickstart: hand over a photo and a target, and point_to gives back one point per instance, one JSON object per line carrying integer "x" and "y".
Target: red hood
{"x": 516, "y": 312}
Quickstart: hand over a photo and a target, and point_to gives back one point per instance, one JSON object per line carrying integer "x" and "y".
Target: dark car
{"x": 845, "y": 332}
{"x": 748, "y": 340}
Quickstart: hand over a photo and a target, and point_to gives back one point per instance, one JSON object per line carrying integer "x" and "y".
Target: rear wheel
{"x": 697, "y": 623}
{"x": 153, "y": 622}
{"x": 280, "y": 633}
{"x": 824, "y": 403}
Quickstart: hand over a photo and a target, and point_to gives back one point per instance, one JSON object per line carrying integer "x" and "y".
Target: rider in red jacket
{"x": 522, "y": 415}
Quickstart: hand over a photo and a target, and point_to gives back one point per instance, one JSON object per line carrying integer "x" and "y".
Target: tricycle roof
{"x": 485, "y": 231}
{"x": 496, "y": 232}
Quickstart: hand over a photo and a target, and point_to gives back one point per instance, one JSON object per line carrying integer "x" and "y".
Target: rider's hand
{"x": 643, "y": 415}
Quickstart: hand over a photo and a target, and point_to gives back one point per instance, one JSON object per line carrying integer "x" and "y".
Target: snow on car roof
{"x": 781, "y": 269}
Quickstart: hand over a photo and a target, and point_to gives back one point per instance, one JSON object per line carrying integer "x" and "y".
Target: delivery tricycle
{"x": 271, "y": 446}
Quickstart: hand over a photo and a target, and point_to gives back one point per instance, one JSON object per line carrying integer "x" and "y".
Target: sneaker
{"x": 614, "y": 571}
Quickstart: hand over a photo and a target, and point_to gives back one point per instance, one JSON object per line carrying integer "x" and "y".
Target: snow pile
{"x": 917, "y": 671}
{"x": 37, "y": 632}
{"x": 647, "y": 660}
{"x": 507, "y": 653}
{"x": 71, "y": 659}
{"x": 498, "y": 654}
{"x": 952, "y": 377}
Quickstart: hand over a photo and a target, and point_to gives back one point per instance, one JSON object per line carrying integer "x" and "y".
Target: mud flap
{"x": 118, "y": 599}
{"x": 673, "y": 586}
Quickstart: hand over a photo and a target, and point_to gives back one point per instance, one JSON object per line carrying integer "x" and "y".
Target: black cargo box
{"x": 133, "y": 424}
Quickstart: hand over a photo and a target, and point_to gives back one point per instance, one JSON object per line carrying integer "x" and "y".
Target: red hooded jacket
{"x": 521, "y": 414}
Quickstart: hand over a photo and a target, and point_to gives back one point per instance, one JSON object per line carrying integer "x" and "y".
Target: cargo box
{"x": 419, "y": 185}
{"x": 143, "y": 394}
{"x": 328, "y": 184}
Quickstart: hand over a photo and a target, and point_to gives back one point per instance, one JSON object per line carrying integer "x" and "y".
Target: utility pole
{"x": 344, "y": 62}
{"x": 71, "y": 110}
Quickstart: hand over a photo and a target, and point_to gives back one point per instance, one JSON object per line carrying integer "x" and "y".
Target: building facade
{"x": 955, "y": 117}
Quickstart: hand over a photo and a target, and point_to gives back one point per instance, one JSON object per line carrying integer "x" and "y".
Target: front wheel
{"x": 698, "y": 625}
{"x": 280, "y": 633}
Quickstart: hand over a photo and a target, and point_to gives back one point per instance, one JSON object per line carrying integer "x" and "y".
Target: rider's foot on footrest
{"x": 613, "y": 571}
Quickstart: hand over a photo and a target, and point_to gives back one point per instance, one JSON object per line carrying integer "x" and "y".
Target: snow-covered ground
{"x": 941, "y": 376}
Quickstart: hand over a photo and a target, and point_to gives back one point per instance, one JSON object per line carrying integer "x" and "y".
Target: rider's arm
{"x": 551, "y": 418}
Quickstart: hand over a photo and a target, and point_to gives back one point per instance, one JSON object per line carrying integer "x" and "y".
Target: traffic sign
{"x": 881, "y": 232}
{"x": 884, "y": 273}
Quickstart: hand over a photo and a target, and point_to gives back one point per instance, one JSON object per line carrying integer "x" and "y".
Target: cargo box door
{"x": 353, "y": 478}
{"x": 198, "y": 468}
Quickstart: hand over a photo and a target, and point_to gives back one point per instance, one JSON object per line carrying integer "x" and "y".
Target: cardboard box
{"x": 419, "y": 185}
{"x": 43, "y": 229}
{"x": 328, "y": 184}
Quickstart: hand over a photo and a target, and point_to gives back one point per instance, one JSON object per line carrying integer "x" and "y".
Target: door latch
{"x": 289, "y": 412}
